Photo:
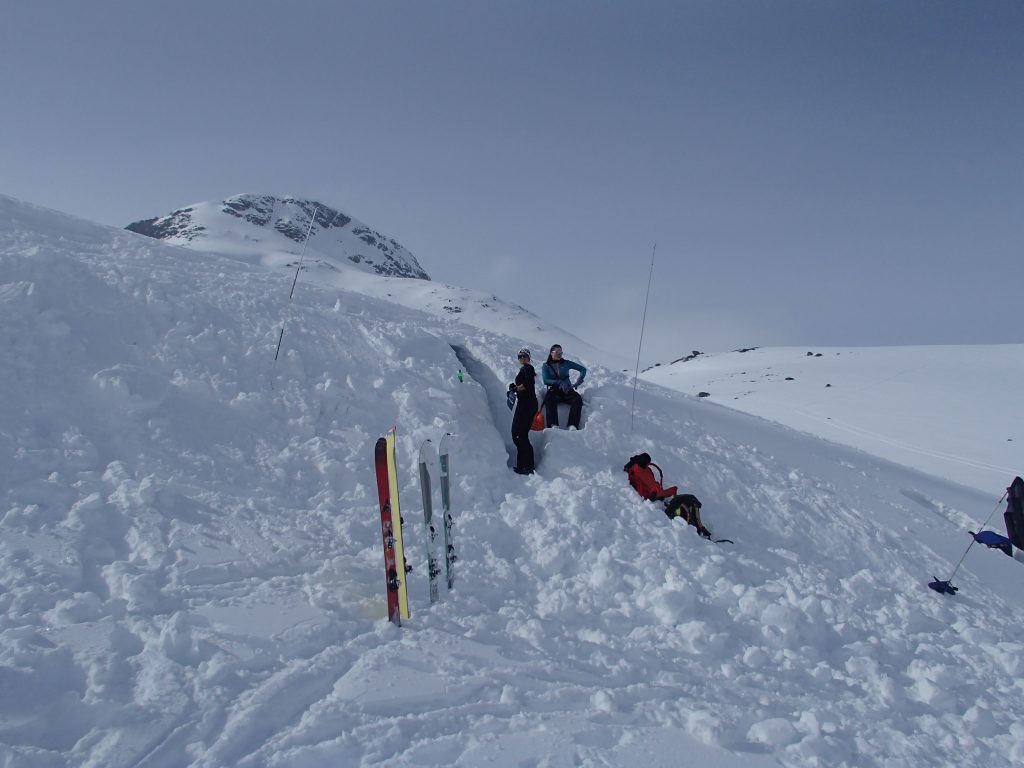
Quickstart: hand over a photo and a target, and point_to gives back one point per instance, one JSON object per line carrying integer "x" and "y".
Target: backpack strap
{"x": 661, "y": 475}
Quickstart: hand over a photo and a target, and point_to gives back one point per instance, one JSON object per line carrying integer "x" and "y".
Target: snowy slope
{"x": 344, "y": 252}
{"x": 951, "y": 411}
{"x": 191, "y": 571}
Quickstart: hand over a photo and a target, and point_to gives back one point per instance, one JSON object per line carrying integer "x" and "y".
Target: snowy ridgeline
{"x": 191, "y": 573}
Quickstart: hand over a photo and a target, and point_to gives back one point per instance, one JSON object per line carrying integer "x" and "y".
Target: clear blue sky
{"x": 813, "y": 172}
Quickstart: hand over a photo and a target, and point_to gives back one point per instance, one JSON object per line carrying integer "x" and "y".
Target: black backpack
{"x": 640, "y": 460}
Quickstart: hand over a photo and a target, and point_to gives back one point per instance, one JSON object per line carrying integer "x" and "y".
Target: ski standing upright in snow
{"x": 433, "y": 567}
{"x": 395, "y": 569}
{"x": 446, "y": 509}
{"x": 380, "y": 460}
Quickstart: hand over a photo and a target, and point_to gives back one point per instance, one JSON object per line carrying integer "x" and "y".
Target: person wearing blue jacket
{"x": 561, "y": 388}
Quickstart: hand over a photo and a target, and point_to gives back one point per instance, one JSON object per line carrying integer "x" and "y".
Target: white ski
{"x": 446, "y": 510}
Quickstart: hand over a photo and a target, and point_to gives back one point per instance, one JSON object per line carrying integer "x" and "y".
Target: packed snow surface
{"x": 191, "y": 571}
{"x": 950, "y": 411}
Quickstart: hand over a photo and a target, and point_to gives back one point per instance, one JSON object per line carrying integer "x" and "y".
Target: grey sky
{"x": 813, "y": 172}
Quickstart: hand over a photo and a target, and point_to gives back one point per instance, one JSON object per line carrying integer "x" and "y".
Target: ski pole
{"x": 947, "y": 585}
{"x": 640, "y": 346}
{"x": 298, "y": 266}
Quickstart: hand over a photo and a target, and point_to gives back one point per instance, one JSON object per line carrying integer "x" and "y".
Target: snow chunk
{"x": 773, "y": 732}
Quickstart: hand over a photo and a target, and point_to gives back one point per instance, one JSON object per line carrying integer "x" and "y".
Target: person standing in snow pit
{"x": 561, "y": 389}
{"x": 526, "y": 409}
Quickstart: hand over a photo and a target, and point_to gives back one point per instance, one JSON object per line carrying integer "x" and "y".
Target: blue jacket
{"x": 554, "y": 374}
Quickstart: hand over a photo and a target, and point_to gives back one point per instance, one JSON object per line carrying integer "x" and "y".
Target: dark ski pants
{"x": 556, "y": 396}
{"x": 521, "y": 421}
{"x": 1015, "y": 528}
{"x": 1014, "y": 515}
{"x": 687, "y": 506}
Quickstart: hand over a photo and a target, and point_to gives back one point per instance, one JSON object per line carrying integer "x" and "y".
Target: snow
{"x": 191, "y": 569}
{"x": 950, "y": 411}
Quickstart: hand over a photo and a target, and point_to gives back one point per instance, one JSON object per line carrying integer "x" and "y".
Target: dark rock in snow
{"x": 688, "y": 358}
{"x": 295, "y": 219}
{"x": 176, "y": 224}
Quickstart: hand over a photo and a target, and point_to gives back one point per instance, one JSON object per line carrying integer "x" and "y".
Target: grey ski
{"x": 446, "y": 509}
{"x": 433, "y": 567}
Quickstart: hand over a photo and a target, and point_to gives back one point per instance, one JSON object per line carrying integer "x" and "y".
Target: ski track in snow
{"x": 191, "y": 569}
{"x": 997, "y": 471}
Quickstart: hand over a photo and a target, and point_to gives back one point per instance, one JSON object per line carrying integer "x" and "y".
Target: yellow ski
{"x": 396, "y": 526}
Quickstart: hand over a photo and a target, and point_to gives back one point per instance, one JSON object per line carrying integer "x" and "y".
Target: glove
{"x": 565, "y": 386}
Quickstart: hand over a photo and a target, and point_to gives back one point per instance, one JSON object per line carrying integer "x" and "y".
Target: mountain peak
{"x": 251, "y": 223}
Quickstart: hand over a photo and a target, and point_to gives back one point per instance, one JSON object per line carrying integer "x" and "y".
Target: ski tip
{"x": 427, "y": 452}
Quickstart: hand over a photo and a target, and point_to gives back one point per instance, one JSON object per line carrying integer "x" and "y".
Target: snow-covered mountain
{"x": 191, "y": 571}
{"x": 950, "y": 411}
{"x": 345, "y": 253}
{"x": 274, "y": 230}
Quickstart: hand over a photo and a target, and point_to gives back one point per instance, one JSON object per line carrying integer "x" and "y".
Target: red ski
{"x": 380, "y": 458}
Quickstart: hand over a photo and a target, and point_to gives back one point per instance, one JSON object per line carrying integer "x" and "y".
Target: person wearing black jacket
{"x": 526, "y": 409}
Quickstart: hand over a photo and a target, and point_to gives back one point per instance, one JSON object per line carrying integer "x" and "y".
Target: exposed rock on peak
{"x": 248, "y": 222}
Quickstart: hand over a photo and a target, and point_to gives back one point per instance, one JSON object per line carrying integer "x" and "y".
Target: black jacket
{"x": 527, "y": 377}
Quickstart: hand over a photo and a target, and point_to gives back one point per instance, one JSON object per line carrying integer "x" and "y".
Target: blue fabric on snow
{"x": 990, "y": 538}
{"x": 993, "y": 540}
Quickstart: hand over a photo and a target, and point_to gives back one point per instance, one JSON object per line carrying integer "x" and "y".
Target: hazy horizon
{"x": 812, "y": 174}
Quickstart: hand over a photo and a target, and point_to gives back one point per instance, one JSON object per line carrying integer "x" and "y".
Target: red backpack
{"x": 642, "y": 478}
